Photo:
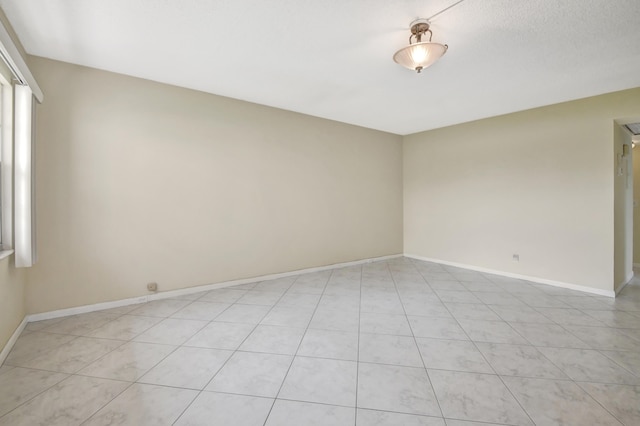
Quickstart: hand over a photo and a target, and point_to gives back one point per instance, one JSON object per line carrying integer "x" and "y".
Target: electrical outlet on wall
{"x": 516, "y": 257}
{"x": 152, "y": 286}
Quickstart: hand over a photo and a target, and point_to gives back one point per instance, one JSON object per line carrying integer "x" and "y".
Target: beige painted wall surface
{"x": 622, "y": 208}
{"x": 636, "y": 210}
{"x": 139, "y": 181}
{"x": 538, "y": 183}
{"x": 12, "y": 284}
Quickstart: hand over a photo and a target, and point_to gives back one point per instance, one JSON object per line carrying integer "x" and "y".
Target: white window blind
{"x": 24, "y": 215}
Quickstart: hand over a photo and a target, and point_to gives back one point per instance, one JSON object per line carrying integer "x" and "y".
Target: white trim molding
{"x": 6, "y": 172}
{"x": 12, "y": 340}
{"x": 86, "y": 308}
{"x": 190, "y": 290}
{"x": 553, "y": 283}
{"x": 14, "y": 60}
{"x": 5, "y": 253}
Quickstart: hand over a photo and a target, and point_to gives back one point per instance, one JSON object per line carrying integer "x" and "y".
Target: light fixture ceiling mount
{"x": 420, "y": 54}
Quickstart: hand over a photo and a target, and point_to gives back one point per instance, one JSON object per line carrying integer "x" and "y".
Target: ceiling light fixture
{"x": 420, "y": 54}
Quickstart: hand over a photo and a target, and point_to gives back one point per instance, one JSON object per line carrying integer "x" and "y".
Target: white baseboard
{"x": 86, "y": 308}
{"x": 182, "y": 292}
{"x": 190, "y": 290}
{"x": 553, "y": 283}
{"x": 12, "y": 340}
{"x": 198, "y": 289}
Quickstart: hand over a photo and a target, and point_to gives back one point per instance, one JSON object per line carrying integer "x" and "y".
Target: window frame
{"x": 6, "y": 165}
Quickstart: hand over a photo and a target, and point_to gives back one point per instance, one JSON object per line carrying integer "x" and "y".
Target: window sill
{"x": 5, "y": 253}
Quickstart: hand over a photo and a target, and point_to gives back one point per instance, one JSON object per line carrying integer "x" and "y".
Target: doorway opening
{"x": 626, "y": 201}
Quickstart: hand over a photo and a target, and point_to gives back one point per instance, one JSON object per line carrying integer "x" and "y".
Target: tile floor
{"x": 400, "y": 342}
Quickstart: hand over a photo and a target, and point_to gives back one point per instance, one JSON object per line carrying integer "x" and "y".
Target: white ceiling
{"x": 333, "y": 58}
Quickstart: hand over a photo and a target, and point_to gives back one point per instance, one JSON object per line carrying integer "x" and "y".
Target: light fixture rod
{"x": 444, "y": 10}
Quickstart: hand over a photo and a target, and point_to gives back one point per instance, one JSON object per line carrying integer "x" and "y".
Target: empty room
{"x": 338, "y": 213}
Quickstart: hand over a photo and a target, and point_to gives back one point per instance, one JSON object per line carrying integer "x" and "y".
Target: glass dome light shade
{"x": 418, "y": 56}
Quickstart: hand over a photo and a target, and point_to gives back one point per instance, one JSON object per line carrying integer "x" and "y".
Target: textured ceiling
{"x": 332, "y": 58}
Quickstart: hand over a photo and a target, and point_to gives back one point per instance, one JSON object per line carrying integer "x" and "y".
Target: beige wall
{"x": 139, "y": 181}
{"x": 538, "y": 183}
{"x": 636, "y": 210}
{"x": 12, "y": 283}
{"x": 622, "y": 208}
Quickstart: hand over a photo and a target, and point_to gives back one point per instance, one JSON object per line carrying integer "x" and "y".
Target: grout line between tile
{"x": 415, "y": 342}
{"x": 486, "y": 361}
{"x": 293, "y": 357}
{"x": 35, "y": 396}
{"x": 358, "y": 345}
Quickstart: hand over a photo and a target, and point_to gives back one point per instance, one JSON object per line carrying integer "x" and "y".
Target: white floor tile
{"x": 252, "y": 374}
{"x": 519, "y": 360}
{"x": 335, "y": 320}
{"x": 541, "y": 397}
{"x": 190, "y": 368}
{"x": 223, "y": 295}
{"x": 621, "y": 401}
{"x": 34, "y": 344}
{"x": 288, "y": 316}
{"x": 324, "y": 381}
{"x": 439, "y": 328}
{"x": 69, "y": 402}
{"x": 295, "y": 413}
{"x": 204, "y": 311}
{"x": 476, "y": 397}
{"x": 398, "y": 389}
{"x": 128, "y": 362}
{"x": 20, "y": 385}
{"x": 589, "y": 366}
{"x": 144, "y": 405}
{"x": 492, "y": 331}
{"x": 244, "y": 314}
{"x": 273, "y": 339}
{"x": 267, "y": 298}
{"x": 171, "y": 331}
{"x": 472, "y": 311}
{"x": 81, "y": 325}
{"x": 73, "y": 356}
{"x": 221, "y": 335}
{"x": 455, "y": 355}
{"x": 388, "y": 349}
{"x": 330, "y": 344}
{"x": 160, "y": 308}
{"x": 125, "y": 327}
{"x": 219, "y": 409}
{"x": 386, "y": 418}
{"x": 344, "y": 346}
{"x": 379, "y": 323}
{"x": 605, "y": 338}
